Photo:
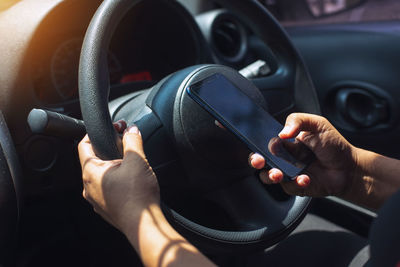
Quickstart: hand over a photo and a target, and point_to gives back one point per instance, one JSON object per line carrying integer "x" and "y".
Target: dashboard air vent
{"x": 228, "y": 38}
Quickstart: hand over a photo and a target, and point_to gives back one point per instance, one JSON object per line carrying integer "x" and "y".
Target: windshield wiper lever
{"x": 56, "y": 124}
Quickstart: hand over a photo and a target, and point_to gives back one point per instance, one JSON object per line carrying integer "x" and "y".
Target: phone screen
{"x": 251, "y": 123}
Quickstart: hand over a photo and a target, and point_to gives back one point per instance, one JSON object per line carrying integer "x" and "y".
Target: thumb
{"x": 132, "y": 141}
{"x": 297, "y": 122}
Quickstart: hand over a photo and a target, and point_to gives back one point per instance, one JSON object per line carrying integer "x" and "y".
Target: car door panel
{"x": 355, "y": 69}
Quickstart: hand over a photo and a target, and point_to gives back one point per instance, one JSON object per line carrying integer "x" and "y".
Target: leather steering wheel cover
{"x": 94, "y": 78}
{"x": 265, "y": 236}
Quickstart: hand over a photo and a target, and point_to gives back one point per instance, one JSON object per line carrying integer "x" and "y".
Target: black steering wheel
{"x": 208, "y": 191}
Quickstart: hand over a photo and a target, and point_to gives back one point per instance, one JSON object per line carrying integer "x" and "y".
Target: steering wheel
{"x": 208, "y": 191}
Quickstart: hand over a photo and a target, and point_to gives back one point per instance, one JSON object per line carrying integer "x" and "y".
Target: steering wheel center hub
{"x": 215, "y": 145}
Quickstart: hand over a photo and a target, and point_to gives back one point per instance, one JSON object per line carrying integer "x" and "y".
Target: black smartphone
{"x": 251, "y": 123}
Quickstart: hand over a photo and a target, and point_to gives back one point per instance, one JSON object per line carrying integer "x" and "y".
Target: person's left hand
{"x": 119, "y": 190}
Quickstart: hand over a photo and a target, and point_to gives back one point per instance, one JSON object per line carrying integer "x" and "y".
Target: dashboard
{"x": 143, "y": 49}
{"x": 39, "y": 69}
{"x": 153, "y": 40}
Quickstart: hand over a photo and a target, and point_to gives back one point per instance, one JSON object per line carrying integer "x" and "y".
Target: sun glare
{"x": 4, "y": 4}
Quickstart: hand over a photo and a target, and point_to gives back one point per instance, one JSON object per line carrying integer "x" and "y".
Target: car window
{"x": 306, "y": 12}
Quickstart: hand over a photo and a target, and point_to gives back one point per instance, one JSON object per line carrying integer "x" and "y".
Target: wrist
{"x": 132, "y": 212}
{"x": 363, "y": 180}
{"x": 149, "y": 229}
{"x": 158, "y": 244}
{"x": 355, "y": 175}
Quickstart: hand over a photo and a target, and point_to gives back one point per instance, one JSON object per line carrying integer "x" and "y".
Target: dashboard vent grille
{"x": 227, "y": 38}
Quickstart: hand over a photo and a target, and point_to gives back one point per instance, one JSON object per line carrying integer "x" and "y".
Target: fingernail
{"x": 274, "y": 177}
{"x": 252, "y": 156}
{"x": 303, "y": 181}
{"x": 301, "y": 136}
{"x": 256, "y": 161}
{"x": 218, "y": 124}
{"x": 255, "y": 155}
{"x": 119, "y": 123}
{"x": 133, "y": 129}
{"x": 285, "y": 130}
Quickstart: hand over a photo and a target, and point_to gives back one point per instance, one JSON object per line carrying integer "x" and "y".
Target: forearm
{"x": 375, "y": 179}
{"x": 158, "y": 244}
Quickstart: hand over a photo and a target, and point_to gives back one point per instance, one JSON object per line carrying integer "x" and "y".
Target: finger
{"x": 297, "y": 122}
{"x": 132, "y": 141}
{"x": 102, "y": 213}
{"x": 292, "y": 188}
{"x": 275, "y": 175}
{"x": 120, "y": 126}
{"x": 275, "y": 145}
{"x": 311, "y": 140}
{"x": 272, "y": 176}
{"x": 298, "y": 148}
{"x": 298, "y": 186}
{"x": 303, "y": 180}
{"x": 219, "y": 125}
{"x": 256, "y": 161}
{"x": 94, "y": 170}
{"x": 264, "y": 177}
{"x": 85, "y": 151}
{"x": 92, "y": 166}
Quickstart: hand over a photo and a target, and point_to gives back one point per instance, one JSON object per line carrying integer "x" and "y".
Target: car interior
{"x": 69, "y": 67}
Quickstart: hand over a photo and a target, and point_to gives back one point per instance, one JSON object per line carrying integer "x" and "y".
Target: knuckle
{"x": 86, "y": 179}
{"x": 296, "y": 118}
{"x": 324, "y": 124}
{"x": 293, "y": 116}
{"x": 290, "y": 188}
{"x": 85, "y": 194}
{"x": 323, "y": 120}
{"x": 263, "y": 175}
{"x": 80, "y": 145}
{"x": 90, "y": 162}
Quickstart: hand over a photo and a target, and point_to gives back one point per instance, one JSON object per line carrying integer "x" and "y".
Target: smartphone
{"x": 251, "y": 123}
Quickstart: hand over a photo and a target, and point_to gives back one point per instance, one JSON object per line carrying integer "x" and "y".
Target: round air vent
{"x": 225, "y": 33}
{"x": 227, "y": 38}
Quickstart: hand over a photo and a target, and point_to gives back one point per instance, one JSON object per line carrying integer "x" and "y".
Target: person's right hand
{"x": 333, "y": 170}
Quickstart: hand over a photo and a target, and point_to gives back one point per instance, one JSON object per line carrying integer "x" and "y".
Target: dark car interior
{"x": 345, "y": 70}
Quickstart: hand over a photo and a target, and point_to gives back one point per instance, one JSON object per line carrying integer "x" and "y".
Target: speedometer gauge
{"x": 65, "y": 65}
